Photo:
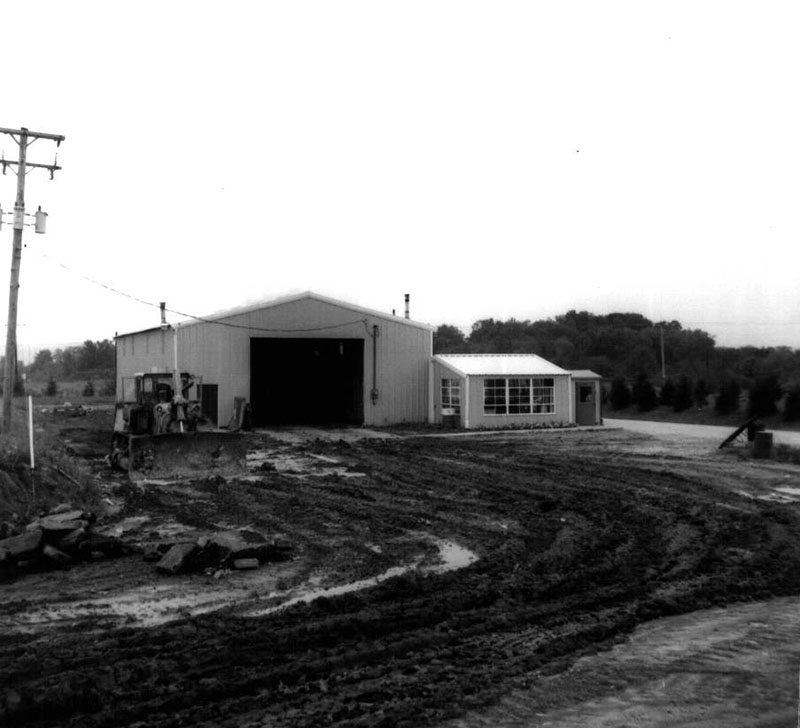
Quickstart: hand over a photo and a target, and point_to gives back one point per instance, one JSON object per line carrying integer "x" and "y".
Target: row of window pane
{"x": 451, "y": 394}
{"x": 519, "y": 395}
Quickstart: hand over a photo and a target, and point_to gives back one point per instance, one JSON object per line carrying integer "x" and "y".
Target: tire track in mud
{"x": 717, "y": 668}
{"x": 574, "y": 553}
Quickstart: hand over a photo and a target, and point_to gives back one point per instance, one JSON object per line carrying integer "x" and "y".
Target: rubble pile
{"x": 220, "y": 551}
{"x": 59, "y": 538}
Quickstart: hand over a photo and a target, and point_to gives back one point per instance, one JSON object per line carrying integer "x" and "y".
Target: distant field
{"x": 72, "y": 391}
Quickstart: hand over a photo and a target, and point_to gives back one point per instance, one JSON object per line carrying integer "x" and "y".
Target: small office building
{"x": 512, "y": 390}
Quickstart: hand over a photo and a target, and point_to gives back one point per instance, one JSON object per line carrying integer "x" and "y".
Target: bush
{"x": 791, "y": 406}
{"x": 764, "y": 394}
{"x": 88, "y": 390}
{"x": 667, "y": 395}
{"x": 682, "y": 399}
{"x": 701, "y": 392}
{"x": 52, "y": 388}
{"x": 620, "y": 396}
{"x": 727, "y": 398}
{"x": 643, "y": 394}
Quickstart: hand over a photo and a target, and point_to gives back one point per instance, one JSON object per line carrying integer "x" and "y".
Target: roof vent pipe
{"x": 163, "y": 306}
{"x": 408, "y": 301}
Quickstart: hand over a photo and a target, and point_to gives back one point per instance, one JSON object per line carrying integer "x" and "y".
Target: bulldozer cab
{"x": 154, "y": 388}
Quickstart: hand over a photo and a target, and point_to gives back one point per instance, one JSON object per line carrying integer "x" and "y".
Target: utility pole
{"x": 24, "y": 138}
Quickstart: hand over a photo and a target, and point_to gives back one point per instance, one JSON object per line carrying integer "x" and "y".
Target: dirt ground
{"x": 565, "y": 578}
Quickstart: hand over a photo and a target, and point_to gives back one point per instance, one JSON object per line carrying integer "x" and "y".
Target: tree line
{"x": 650, "y": 363}
{"x": 90, "y": 359}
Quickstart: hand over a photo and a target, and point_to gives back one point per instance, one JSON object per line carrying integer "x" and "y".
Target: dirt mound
{"x": 25, "y": 494}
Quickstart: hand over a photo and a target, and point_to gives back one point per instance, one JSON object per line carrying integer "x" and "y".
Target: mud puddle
{"x": 148, "y": 605}
{"x": 452, "y": 556}
{"x": 253, "y": 593}
{"x": 293, "y": 464}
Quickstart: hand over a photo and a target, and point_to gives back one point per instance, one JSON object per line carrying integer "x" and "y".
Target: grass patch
{"x": 56, "y": 477}
{"x": 786, "y": 454}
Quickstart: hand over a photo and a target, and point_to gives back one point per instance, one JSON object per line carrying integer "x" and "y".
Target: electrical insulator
{"x": 41, "y": 221}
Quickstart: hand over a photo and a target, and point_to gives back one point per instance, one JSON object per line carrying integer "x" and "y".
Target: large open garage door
{"x": 307, "y": 381}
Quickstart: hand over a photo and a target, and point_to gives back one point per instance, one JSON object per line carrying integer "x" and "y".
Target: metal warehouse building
{"x": 303, "y": 359}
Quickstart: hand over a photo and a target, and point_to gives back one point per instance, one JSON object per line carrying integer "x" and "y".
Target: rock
{"x": 61, "y": 508}
{"x": 272, "y": 552}
{"x": 246, "y": 564}
{"x": 7, "y": 530}
{"x": 56, "y": 556}
{"x": 176, "y": 558}
{"x": 73, "y": 539}
{"x": 22, "y": 547}
{"x": 110, "y": 508}
{"x": 231, "y": 541}
{"x": 152, "y": 554}
{"x": 225, "y": 546}
{"x": 13, "y": 700}
{"x": 60, "y": 529}
{"x": 107, "y": 545}
{"x": 72, "y": 515}
{"x": 60, "y": 523}
{"x": 81, "y": 450}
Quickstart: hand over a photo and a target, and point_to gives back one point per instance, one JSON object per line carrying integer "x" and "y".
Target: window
{"x": 451, "y": 395}
{"x": 519, "y": 396}
{"x": 494, "y": 397}
{"x": 544, "y": 401}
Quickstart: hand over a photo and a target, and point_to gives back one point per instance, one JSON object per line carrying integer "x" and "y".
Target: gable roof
{"x": 500, "y": 364}
{"x": 219, "y": 316}
{"x": 584, "y": 374}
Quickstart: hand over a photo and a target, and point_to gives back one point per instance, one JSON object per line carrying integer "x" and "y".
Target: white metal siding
{"x": 147, "y": 351}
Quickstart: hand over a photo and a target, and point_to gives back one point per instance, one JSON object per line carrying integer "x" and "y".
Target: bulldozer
{"x": 160, "y": 430}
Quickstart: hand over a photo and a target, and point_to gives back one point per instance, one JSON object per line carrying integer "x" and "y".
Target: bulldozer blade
{"x": 190, "y": 454}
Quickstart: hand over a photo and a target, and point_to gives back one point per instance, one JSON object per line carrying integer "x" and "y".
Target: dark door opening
{"x": 209, "y": 399}
{"x": 307, "y": 381}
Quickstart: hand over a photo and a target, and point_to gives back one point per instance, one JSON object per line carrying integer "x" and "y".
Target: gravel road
{"x": 707, "y": 432}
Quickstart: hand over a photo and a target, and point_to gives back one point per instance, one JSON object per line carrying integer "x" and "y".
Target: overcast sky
{"x": 492, "y": 159}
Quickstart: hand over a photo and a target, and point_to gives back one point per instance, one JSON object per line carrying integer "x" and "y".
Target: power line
{"x": 204, "y": 319}
{"x": 465, "y": 329}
